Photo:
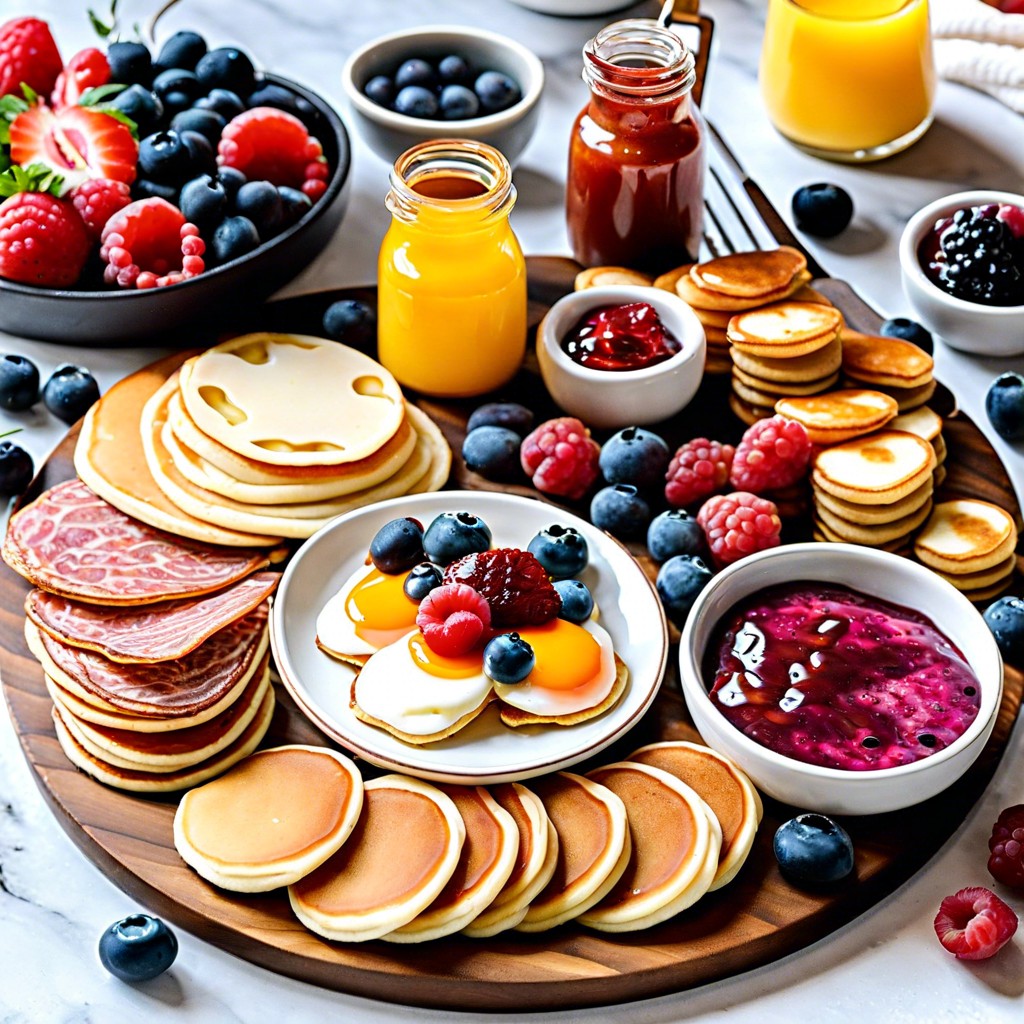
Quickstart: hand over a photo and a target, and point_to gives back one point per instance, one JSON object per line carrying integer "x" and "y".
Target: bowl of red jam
{"x": 621, "y": 355}
{"x": 846, "y": 681}
{"x": 962, "y": 264}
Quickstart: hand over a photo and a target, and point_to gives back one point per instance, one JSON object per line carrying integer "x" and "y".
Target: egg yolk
{"x": 378, "y": 603}
{"x": 567, "y": 655}
{"x": 435, "y": 664}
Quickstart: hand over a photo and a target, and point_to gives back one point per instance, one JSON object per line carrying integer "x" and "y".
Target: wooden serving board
{"x": 752, "y": 921}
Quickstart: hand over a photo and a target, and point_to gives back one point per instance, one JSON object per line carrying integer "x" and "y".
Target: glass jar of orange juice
{"x": 848, "y": 80}
{"x": 451, "y": 275}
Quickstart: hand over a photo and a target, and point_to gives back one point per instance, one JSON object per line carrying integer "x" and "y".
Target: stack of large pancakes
{"x": 155, "y": 650}
{"x": 262, "y": 437}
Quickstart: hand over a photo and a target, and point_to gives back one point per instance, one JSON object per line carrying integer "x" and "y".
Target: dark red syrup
{"x": 627, "y": 337}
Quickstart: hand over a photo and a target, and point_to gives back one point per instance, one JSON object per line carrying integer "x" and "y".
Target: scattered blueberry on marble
{"x": 351, "y": 321}
{"x": 822, "y": 209}
{"x": 138, "y": 948}
{"x": 70, "y": 392}
{"x": 621, "y": 511}
{"x": 909, "y": 330}
{"x": 813, "y": 851}
{"x": 1004, "y": 404}
{"x": 19, "y": 383}
{"x": 679, "y": 582}
{"x": 1005, "y": 618}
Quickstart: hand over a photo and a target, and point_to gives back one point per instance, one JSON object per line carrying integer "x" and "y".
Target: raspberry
{"x": 974, "y": 923}
{"x": 561, "y": 457}
{"x": 1013, "y": 218}
{"x": 42, "y": 240}
{"x": 267, "y": 144}
{"x": 514, "y": 583}
{"x": 453, "y": 619}
{"x": 27, "y": 54}
{"x": 699, "y": 468}
{"x": 1006, "y": 864}
{"x": 773, "y": 454}
{"x": 739, "y": 524}
{"x": 97, "y": 200}
{"x": 149, "y": 244}
{"x": 88, "y": 69}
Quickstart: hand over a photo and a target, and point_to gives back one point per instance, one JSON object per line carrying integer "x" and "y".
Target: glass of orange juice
{"x": 848, "y": 80}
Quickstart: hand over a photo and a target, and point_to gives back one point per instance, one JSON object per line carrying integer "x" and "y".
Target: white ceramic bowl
{"x": 892, "y": 578}
{"x": 621, "y": 398}
{"x": 967, "y": 326}
{"x": 390, "y": 134}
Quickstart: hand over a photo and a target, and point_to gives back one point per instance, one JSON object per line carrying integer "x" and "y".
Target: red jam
{"x": 627, "y": 337}
{"x": 833, "y": 677}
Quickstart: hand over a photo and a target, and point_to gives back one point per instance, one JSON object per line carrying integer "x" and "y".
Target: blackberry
{"x": 983, "y": 259}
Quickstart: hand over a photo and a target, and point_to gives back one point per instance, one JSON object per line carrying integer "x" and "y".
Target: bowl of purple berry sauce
{"x": 962, "y": 263}
{"x": 842, "y": 679}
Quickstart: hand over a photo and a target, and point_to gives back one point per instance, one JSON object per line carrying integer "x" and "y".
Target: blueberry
{"x": 813, "y": 850}
{"x": 454, "y": 534}
{"x": 70, "y": 392}
{"x": 178, "y": 80}
{"x": 908, "y": 330}
{"x": 1004, "y": 404}
{"x": 679, "y": 582}
{"x": 621, "y": 511}
{"x": 140, "y": 104}
{"x": 635, "y": 456}
{"x": 19, "y": 383}
{"x": 674, "y": 532}
{"x": 351, "y": 321}
{"x": 207, "y": 122}
{"x": 130, "y": 63}
{"x": 221, "y": 101}
{"x": 493, "y": 452}
{"x": 261, "y": 203}
{"x": 270, "y": 94}
{"x": 454, "y": 69}
{"x": 415, "y": 72}
{"x": 457, "y": 103}
{"x": 511, "y": 415}
{"x": 204, "y": 202}
{"x": 822, "y": 209}
{"x": 496, "y": 91}
{"x": 422, "y": 579}
{"x": 146, "y": 189}
{"x": 508, "y": 658}
{"x": 397, "y": 546}
{"x": 138, "y": 948}
{"x": 16, "y": 468}
{"x": 227, "y": 68}
{"x": 182, "y": 50}
{"x": 175, "y": 102}
{"x": 415, "y": 101}
{"x": 295, "y": 204}
{"x": 577, "y": 601}
{"x": 381, "y": 90}
{"x": 164, "y": 157}
{"x": 232, "y": 179}
{"x": 1005, "y": 618}
{"x": 233, "y": 237}
{"x": 562, "y": 550}
{"x": 201, "y": 157}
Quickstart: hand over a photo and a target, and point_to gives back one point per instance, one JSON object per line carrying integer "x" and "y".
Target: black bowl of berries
{"x": 962, "y": 261}
{"x": 151, "y": 190}
{"x": 443, "y": 82}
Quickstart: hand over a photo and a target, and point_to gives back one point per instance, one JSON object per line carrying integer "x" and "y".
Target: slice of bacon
{"x": 71, "y": 542}
{"x": 150, "y": 632}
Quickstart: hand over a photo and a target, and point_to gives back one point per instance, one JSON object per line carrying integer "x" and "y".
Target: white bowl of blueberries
{"x": 443, "y": 81}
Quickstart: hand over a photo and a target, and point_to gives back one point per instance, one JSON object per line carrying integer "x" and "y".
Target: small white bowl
{"x": 390, "y": 134}
{"x": 880, "y": 574}
{"x": 968, "y": 326}
{"x": 621, "y": 398}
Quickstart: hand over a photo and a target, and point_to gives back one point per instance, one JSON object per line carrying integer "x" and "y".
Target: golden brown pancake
{"x": 750, "y": 274}
{"x": 599, "y": 277}
{"x": 876, "y": 533}
{"x": 703, "y": 298}
{"x": 882, "y": 467}
{"x": 786, "y": 328}
{"x": 839, "y": 415}
{"x": 874, "y": 515}
{"x": 884, "y": 360}
{"x": 966, "y": 536}
{"x": 824, "y": 362}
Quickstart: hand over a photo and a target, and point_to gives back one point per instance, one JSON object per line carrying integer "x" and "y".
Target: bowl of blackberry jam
{"x": 809, "y": 669}
{"x": 194, "y": 179}
{"x": 962, "y": 263}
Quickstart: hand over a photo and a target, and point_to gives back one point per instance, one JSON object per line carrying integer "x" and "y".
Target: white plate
{"x": 485, "y": 751}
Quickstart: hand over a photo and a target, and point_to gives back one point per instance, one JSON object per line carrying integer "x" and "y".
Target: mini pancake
{"x": 784, "y": 389}
{"x": 809, "y": 294}
{"x": 718, "y": 366}
{"x": 667, "y": 281}
{"x": 800, "y": 369}
{"x": 271, "y": 820}
{"x": 852, "y": 413}
{"x": 401, "y": 853}
{"x": 785, "y": 328}
{"x": 940, "y": 476}
{"x": 487, "y": 859}
{"x": 877, "y": 533}
{"x": 703, "y": 298}
{"x": 987, "y": 594}
{"x": 674, "y": 849}
{"x": 822, "y": 533}
{"x": 750, "y": 274}
{"x": 165, "y": 782}
{"x": 941, "y": 451}
{"x": 766, "y": 398}
{"x": 724, "y": 788}
{"x": 966, "y": 536}
{"x": 984, "y": 579}
{"x": 599, "y": 277}
{"x": 749, "y": 414}
{"x": 292, "y": 400}
{"x": 877, "y": 359}
{"x": 593, "y": 848}
{"x": 875, "y": 515}
{"x": 882, "y": 467}
{"x": 536, "y": 858}
{"x": 907, "y": 399}
{"x": 923, "y": 421}
{"x": 716, "y": 318}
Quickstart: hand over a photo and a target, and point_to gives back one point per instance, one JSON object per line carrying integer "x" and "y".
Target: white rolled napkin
{"x": 980, "y": 46}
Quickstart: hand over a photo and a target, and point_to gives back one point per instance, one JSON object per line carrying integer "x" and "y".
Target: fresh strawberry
{"x": 28, "y": 54}
{"x": 77, "y": 142}
{"x": 97, "y": 200}
{"x": 42, "y": 240}
{"x": 269, "y": 144}
{"x": 88, "y": 69}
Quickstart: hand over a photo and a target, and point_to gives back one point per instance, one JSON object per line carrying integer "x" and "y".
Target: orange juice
{"x": 848, "y": 79}
{"x": 451, "y": 275}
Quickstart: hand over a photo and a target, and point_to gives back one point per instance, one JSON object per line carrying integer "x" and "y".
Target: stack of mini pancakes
{"x": 623, "y": 848}
{"x": 971, "y": 544}
{"x": 155, "y": 651}
{"x": 927, "y": 424}
{"x": 891, "y": 365}
{"x": 262, "y": 437}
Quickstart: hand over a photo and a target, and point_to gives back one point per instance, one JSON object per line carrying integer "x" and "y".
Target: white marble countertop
{"x": 887, "y": 964}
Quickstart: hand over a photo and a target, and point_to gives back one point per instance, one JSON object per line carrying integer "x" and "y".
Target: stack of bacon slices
{"x": 154, "y": 648}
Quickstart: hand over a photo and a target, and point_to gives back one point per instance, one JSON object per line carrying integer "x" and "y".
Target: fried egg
{"x": 370, "y": 611}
